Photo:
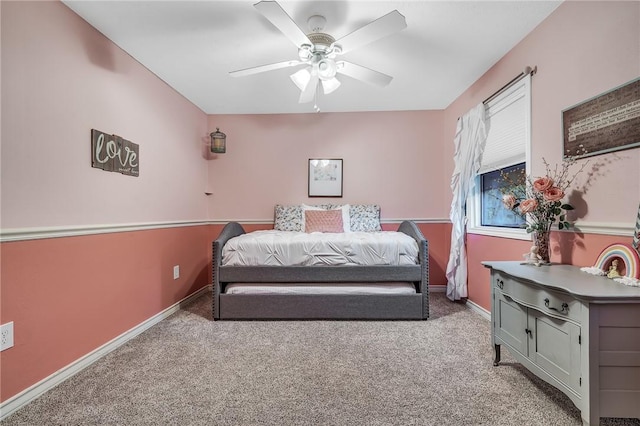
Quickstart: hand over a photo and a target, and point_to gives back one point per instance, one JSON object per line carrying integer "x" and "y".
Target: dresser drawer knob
{"x": 500, "y": 283}
{"x": 563, "y": 309}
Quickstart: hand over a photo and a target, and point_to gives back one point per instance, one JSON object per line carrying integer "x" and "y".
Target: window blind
{"x": 508, "y": 121}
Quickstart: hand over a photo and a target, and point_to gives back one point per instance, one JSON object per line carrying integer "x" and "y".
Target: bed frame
{"x": 275, "y": 306}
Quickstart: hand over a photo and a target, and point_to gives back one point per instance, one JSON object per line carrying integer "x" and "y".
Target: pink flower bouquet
{"x": 539, "y": 200}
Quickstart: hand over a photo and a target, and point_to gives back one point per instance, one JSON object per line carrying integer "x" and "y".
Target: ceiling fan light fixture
{"x": 317, "y": 50}
{"x": 334, "y": 50}
{"x": 304, "y": 52}
{"x": 301, "y": 78}
{"x": 327, "y": 69}
{"x": 328, "y": 86}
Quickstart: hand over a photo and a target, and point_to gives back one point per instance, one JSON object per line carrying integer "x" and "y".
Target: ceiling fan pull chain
{"x": 315, "y": 99}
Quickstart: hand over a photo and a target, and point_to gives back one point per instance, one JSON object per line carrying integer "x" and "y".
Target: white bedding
{"x": 314, "y": 288}
{"x": 287, "y": 248}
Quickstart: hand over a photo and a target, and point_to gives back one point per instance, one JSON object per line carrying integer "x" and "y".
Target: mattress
{"x": 287, "y": 248}
{"x": 321, "y": 288}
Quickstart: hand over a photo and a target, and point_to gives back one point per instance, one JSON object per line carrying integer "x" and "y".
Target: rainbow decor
{"x": 627, "y": 254}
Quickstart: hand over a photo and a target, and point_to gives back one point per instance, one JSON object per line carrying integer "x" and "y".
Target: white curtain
{"x": 470, "y": 139}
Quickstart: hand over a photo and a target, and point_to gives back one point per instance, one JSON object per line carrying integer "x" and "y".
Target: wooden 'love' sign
{"x": 112, "y": 153}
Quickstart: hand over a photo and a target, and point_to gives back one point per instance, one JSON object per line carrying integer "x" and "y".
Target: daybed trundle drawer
{"x": 547, "y": 301}
{"x": 290, "y": 306}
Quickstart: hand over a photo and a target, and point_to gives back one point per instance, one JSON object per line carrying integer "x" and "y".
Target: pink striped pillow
{"x": 323, "y": 221}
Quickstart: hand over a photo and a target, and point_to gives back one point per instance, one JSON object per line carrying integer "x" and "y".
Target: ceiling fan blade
{"x": 386, "y": 25}
{"x": 263, "y": 68}
{"x": 363, "y": 73}
{"x": 282, "y": 21}
{"x": 309, "y": 92}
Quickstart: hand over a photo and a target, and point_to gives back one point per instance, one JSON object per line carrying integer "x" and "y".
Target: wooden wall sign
{"x": 112, "y": 153}
{"x": 608, "y": 122}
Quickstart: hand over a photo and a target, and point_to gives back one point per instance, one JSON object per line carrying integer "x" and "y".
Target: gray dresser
{"x": 578, "y": 332}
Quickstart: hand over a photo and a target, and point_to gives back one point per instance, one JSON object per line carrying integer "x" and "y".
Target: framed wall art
{"x": 112, "y": 153}
{"x": 325, "y": 177}
{"x": 605, "y": 123}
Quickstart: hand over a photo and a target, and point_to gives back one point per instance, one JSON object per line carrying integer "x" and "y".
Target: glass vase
{"x": 541, "y": 240}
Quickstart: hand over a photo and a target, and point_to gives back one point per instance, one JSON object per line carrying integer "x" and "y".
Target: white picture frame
{"x": 325, "y": 177}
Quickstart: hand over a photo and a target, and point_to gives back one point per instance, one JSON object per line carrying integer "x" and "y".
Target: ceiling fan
{"x": 317, "y": 51}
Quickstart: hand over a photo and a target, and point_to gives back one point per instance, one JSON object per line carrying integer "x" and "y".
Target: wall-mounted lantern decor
{"x": 218, "y": 142}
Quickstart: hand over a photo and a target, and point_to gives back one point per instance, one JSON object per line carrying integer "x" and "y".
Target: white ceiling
{"x": 192, "y": 45}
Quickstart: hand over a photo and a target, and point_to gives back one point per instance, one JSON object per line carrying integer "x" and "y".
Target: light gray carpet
{"x": 189, "y": 370}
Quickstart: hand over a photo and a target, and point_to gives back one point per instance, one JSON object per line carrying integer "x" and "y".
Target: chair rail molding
{"x": 23, "y": 234}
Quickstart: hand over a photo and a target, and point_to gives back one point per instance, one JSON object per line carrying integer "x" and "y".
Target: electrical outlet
{"x": 176, "y": 272}
{"x": 6, "y": 335}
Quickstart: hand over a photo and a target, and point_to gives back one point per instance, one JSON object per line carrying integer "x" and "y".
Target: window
{"x": 493, "y": 212}
{"x": 507, "y": 149}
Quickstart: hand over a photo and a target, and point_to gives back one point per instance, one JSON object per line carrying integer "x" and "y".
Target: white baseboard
{"x": 471, "y": 305}
{"x": 23, "y": 398}
{"x": 479, "y": 309}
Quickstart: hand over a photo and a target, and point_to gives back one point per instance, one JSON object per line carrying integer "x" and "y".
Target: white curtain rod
{"x": 527, "y": 70}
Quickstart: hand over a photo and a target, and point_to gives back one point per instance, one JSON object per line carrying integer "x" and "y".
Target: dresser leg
{"x": 497, "y": 350}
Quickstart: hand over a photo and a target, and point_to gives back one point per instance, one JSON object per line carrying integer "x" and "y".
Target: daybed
{"x": 320, "y": 305}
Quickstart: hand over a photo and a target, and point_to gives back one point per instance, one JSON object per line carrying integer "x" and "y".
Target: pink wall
{"x": 390, "y": 158}
{"x": 438, "y": 236}
{"x": 60, "y": 79}
{"x": 69, "y": 296}
{"x": 581, "y": 50}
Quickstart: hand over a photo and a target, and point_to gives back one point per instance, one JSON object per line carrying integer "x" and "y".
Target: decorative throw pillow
{"x": 288, "y": 218}
{"x": 365, "y": 218}
{"x": 346, "y": 219}
{"x": 323, "y": 221}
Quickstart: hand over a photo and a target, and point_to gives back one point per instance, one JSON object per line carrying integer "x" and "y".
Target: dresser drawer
{"x": 549, "y": 302}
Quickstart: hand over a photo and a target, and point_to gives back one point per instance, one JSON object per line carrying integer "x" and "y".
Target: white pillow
{"x": 346, "y": 218}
